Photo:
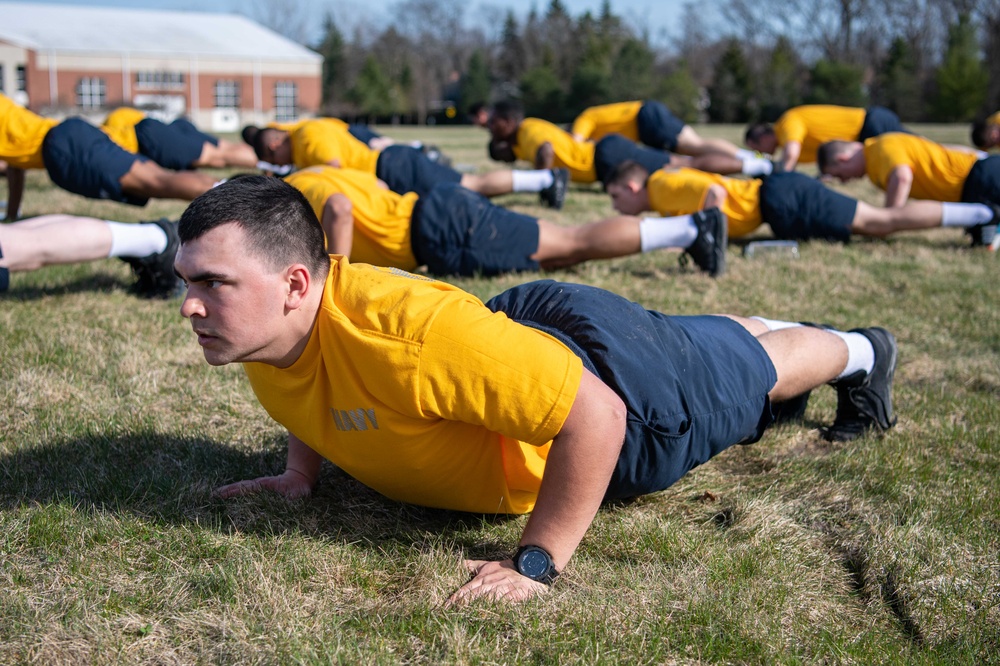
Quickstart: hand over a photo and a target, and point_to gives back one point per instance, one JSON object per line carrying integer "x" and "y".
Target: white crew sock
{"x": 531, "y": 181}
{"x": 757, "y": 166}
{"x": 136, "y": 240}
{"x": 860, "y": 353}
{"x": 776, "y": 325}
{"x": 965, "y": 214}
{"x": 276, "y": 169}
{"x": 659, "y": 232}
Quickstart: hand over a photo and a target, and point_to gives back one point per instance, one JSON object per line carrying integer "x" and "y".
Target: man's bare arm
{"x": 790, "y": 154}
{"x": 15, "y": 191}
{"x": 715, "y": 197}
{"x": 338, "y": 224}
{"x": 545, "y": 158}
{"x": 897, "y": 188}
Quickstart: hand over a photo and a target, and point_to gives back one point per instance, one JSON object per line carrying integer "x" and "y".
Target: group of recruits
{"x": 550, "y": 398}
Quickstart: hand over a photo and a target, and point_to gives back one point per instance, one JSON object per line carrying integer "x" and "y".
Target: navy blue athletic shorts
{"x": 693, "y": 386}
{"x": 799, "y": 207}
{"x": 658, "y": 127}
{"x": 406, "y": 169}
{"x": 614, "y": 149}
{"x": 82, "y": 159}
{"x": 982, "y": 185}
{"x": 362, "y": 133}
{"x": 175, "y": 146}
{"x": 880, "y": 120}
{"x": 458, "y": 232}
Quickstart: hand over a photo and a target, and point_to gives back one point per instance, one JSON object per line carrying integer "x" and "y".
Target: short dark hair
{"x": 280, "y": 225}
{"x": 249, "y": 134}
{"x": 474, "y": 109}
{"x": 259, "y": 141}
{"x": 757, "y": 131}
{"x": 827, "y": 153}
{"x": 508, "y": 110}
{"x": 979, "y": 138}
{"x": 626, "y": 172}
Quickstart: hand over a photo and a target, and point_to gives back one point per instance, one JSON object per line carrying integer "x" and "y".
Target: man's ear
{"x": 299, "y": 281}
{"x": 634, "y": 186}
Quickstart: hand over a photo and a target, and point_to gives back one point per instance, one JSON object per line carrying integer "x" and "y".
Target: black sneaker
{"x": 864, "y": 401}
{"x": 155, "y": 277}
{"x": 554, "y": 195}
{"x": 708, "y": 251}
{"x": 792, "y": 410}
{"x": 983, "y": 234}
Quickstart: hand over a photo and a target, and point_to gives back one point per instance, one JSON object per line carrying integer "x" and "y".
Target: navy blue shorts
{"x": 175, "y": 146}
{"x": 614, "y": 149}
{"x": 799, "y": 207}
{"x": 658, "y": 128}
{"x": 982, "y": 185}
{"x": 693, "y": 386}
{"x": 82, "y": 159}
{"x": 880, "y": 120}
{"x": 362, "y": 133}
{"x": 458, "y": 232}
{"x": 406, "y": 169}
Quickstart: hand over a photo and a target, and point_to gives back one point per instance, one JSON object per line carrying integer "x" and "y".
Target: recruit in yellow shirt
{"x": 381, "y": 217}
{"x": 120, "y": 127}
{"x": 577, "y": 156}
{"x": 421, "y": 393}
{"x": 938, "y": 173}
{"x": 321, "y": 140}
{"x": 815, "y": 124}
{"x": 598, "y": 121}
{"x": 683, "y": 191}
{"x": 21, "y": 135}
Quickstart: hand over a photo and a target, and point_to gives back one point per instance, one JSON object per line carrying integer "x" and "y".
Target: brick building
{"x": 221, "y": 70}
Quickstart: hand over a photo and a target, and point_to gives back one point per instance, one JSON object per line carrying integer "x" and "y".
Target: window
{"x": 159, "y": 80}
{"x": 90, "y": 92}
{"x": 22, "y": 78}
{"x": 286, "y": 101}
{"x": 227, "y": 94}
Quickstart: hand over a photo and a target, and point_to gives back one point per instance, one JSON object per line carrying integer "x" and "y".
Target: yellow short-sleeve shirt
{"x": 813, "y": 125}
{"x": 381, "y": 217}
{"x": 321, "y": 140}
{"x": 938, "y": 173}
{"x": 120, "y": 127}
{"x": 683, "y": 191}
{"x": 577, "y": 156}
{"x": 21, "y": 135}
{"x": 418, "y": 391}
{"x": 599, "y": 121}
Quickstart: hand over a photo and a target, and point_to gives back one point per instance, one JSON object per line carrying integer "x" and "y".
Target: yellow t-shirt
{"x": 421, "y": 393}
{"x": 381, "y": 217}
{"x": 577, "y": 156}
{"x": 120, "y": 127}
{"x": 320, "y": 140}
{"x": 599, "y": 121}
{"x": 815, "y": 124}
{"x": 683, "y": 191}
{"x": 938, "y": 173}
{"x": 21, "y": 135}
{"x": 994, "y": 119}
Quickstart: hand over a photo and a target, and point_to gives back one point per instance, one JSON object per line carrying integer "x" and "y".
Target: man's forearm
{"x": 302, "y": 459}
{"x": 15, "y": 190}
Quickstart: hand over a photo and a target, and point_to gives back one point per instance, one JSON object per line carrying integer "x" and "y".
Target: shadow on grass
{"x": 99, "y": 282}
{"x": 170, "y": 479}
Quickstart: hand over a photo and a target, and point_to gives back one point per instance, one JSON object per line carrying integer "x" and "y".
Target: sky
{"x": 660, "y": 17}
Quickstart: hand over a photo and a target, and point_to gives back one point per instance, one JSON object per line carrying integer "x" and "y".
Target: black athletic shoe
{"x": 708, "y": 251}
{"x": 554, "y": 195}
{"x": 155, "y": 277}
{"x": 864, "y": 401}
{"x": 792, "y": 410}
{"x": 983, "y": 234}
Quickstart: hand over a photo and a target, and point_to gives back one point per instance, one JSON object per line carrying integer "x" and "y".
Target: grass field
{"x": 114, "y": 431}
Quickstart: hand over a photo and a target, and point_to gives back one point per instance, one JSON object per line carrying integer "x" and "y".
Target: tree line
{"x": 927, "y": 60}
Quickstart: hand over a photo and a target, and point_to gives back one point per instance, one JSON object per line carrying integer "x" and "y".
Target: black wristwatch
{"x": 534, "y": 562}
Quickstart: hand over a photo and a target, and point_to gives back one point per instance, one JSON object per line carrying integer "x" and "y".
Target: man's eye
{"x": 213, "y": 284}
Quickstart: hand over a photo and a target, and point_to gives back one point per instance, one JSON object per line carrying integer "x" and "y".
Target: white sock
{"x": 981, "y": 154}
{"x": 659, "y": 232}
{"x": 276, "y": 169}
{"x": 776, "y": 325}
{"x": 757, "y": 166}
{"x": 136, "y": 240}
{"x": 531, "y": 181}
{"x": 964, "y": 214}
{"x": 745, "y": 154}
{"x": 860, "y": 353}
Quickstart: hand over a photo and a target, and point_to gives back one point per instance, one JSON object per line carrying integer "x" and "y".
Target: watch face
{"x": 533, "y": 563}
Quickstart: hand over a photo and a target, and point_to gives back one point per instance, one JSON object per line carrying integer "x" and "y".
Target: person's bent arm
{"x": 15, "y": 190}
{"x": 715, "y": 197}
{"x": 897, "y": 188}
{"x": 790, "y": 154}
{"x": 545, "y": 158}
{"x": 298, "y": 479}
{"x": 338, "y": 224}
{"x": 579, "y": 466}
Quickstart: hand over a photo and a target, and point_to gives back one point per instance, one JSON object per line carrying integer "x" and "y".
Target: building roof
{"x": 106, "y": 30}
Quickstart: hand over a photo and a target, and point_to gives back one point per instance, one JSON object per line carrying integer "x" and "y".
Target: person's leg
{"x": 237, "y": 154}
{"x": 690, "y": 142}
{"x": 499, "y": 182}
{"x": 880, "y": 222}
{"x": 148, "y": 179}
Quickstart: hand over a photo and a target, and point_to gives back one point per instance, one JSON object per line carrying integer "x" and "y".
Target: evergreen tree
{"x": 372, "y": 92}
{"x": 962, "y": 79}
{"x": 542, "y": 94}
{"x": 334, "y": 60}
{"x": 730, "y": 89}
{"x": 681, "y": 93}
{"x": 836, "y": 83}
{"x": 780, "y": 85}
{"x": 476, "y": 82}
{"x": 511, "y": 64}
{"x": 899, "y": 82}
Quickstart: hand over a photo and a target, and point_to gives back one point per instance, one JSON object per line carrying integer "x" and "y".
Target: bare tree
{"x": 294, "y": 19}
